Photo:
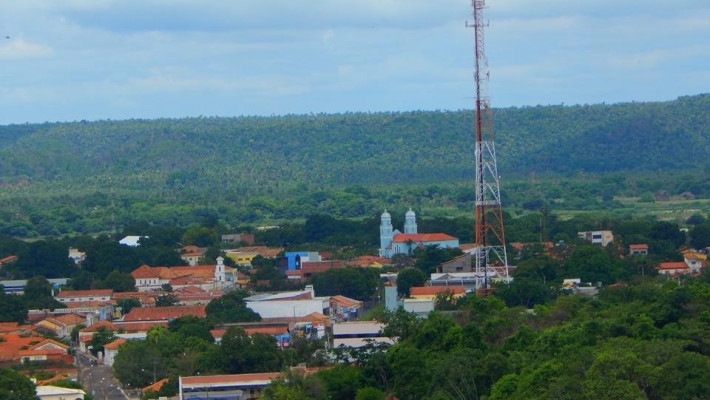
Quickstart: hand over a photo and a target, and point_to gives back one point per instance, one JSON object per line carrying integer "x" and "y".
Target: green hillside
{"x": 261, "y": 168}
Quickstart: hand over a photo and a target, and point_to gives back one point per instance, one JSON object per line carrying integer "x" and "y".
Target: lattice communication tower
{"x": 490, "y": 253}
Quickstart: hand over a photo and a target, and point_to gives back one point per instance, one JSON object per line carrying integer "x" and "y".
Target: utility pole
{"x": 491, "y": 255}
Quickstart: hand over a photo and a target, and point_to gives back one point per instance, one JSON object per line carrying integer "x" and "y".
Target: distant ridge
{"x": 358, "y": 148}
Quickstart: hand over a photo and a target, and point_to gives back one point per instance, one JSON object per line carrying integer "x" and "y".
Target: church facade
{"x": 392, "y": 241}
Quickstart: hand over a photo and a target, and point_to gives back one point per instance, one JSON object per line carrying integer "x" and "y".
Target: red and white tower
{"x": 490, "y": 252}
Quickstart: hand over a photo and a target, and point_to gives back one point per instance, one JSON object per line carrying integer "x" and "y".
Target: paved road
{"x": 98, "y": 380}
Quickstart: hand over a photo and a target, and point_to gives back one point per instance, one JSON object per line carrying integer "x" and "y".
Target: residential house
{"x": 207, "y": 277}
{"x": 344, "y": 308}
{"x": 673, "y": 268}
{"x": 247, "y": 238}
{"x": 131, "y": 241}
{"x": 242, "y": 258}
{"x": 49, "y": 392}
{"x": 7, "y": 260}
{"x": 264, "y": 251}
{"x": 430, "y": 292}
{"x": 60, "y": 325}
{"x": 288, "y": 304}
{"x": 17, "y": 286}
{"x": 242, "y": 386}
{"x": 192, "y": 259}
{"x": 368, "y": 262}
{"x": 280, "y": 330}
{"x": 638, "y": 249}
{"x": 76, "y": 255}
{"x": 601, "y": 238}
{"x": 358, "y": 333}
{"x": 82, "y": 296}
{"x": 111, "y": 350}
{"x": 158, "y": 314}
{"x": 461, "y": 263}
{"x": 307, "y": 269}
{"x": 125, "y": 330}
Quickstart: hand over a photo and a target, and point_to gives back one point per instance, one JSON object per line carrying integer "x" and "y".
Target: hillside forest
{"x": 98, "y": 177}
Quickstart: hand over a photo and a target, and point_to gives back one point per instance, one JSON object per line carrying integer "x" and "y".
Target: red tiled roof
{"x": 673, "y": 265}
{"x": 433, "y": 290}
{"x": 422, "y": 237}
{"x": 132, "y": 327}
{"x": 156, "y": 386}
{"x": 264, "y": 251}
{"x": 164, "y": 313}
{"x": 85, "y": 293}
{"x": 50, "y": 341}
{"x": 70, "y": 319}
{"x": 345, "y": 301}
{"x": 95, "y": 327}
{"x": 8, "y": 258}
{"x": 638, "y": 246}
{"x": 145, "y": 271}
{"x": 47, "y": 352}
{"x": 9, "y": 326}
{"x": 213, "y": 379}
{"x": 92, "y": 303}
{"x": 268, "y": 330}
{"x": 114, "y": 345}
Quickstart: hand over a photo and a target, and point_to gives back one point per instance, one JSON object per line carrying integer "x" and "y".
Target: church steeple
{"x": 410, "y": 222}
{"x": 386, "y": 233}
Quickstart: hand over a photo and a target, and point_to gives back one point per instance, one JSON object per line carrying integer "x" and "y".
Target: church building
{"x": 395, "y": 242}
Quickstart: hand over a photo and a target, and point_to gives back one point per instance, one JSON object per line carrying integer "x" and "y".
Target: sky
{"x": 74, "y": 60}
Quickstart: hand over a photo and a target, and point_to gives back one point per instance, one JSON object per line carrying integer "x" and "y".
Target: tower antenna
{"x": 490, "y": 252}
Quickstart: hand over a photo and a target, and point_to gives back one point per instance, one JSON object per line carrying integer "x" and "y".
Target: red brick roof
{"x": 164, "y": 313}
{"x": 264, "y": 251}
{"x": 145, "y": 271}
{"x": 433, "y": 290}
{"x": 95, "y": 327}
{"x": 214, "y": 379}
{"x": 70, "y": 319}
{"x": 345, "y": 301}
{"x": 673, "y": 265}
{"x": 9, "y": 326}
{"x": 85, "y": 293}
{"x": 114, "y": 345}
{"x": 422, "y": 237}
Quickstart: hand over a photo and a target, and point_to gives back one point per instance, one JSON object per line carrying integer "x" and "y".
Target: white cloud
{"x": 19, "y": 49}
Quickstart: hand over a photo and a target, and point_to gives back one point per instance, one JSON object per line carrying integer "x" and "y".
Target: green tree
{"x": 15, "y": 386}
{"x": 38, "y": 295}
{"x": 119, "y": 282}
{"x": 700, "y": 236}
{"x": 408, "y": 278}
{"x": 102, "y": 337}
{"x": 138, "y": 362}
{"x": 231, "y": 308}
{"x": 47, "y": 258}
{"x": 356, "y": 283}
{"x": 12, "y": 308}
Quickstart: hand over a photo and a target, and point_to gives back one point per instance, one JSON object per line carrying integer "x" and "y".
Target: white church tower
{"x": 386, "y": 233}
{"x": 219, "y": 276}
{"x": 410, "y": 222}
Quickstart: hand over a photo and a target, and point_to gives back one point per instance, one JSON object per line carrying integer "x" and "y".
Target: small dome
{"x": 410, "y": 213}
{"x": 386, "y": 214}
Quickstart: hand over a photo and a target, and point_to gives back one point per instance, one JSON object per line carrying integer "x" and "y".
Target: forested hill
{"x": 359, "y": 148}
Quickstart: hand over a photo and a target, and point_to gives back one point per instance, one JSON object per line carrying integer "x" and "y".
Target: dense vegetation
{"x": 91, "y": 177}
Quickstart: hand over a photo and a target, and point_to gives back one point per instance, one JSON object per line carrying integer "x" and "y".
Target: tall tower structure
{"x": 410, "y": 222}
{"x": 386, "y": 232}
{"x": 491, "y": 256}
